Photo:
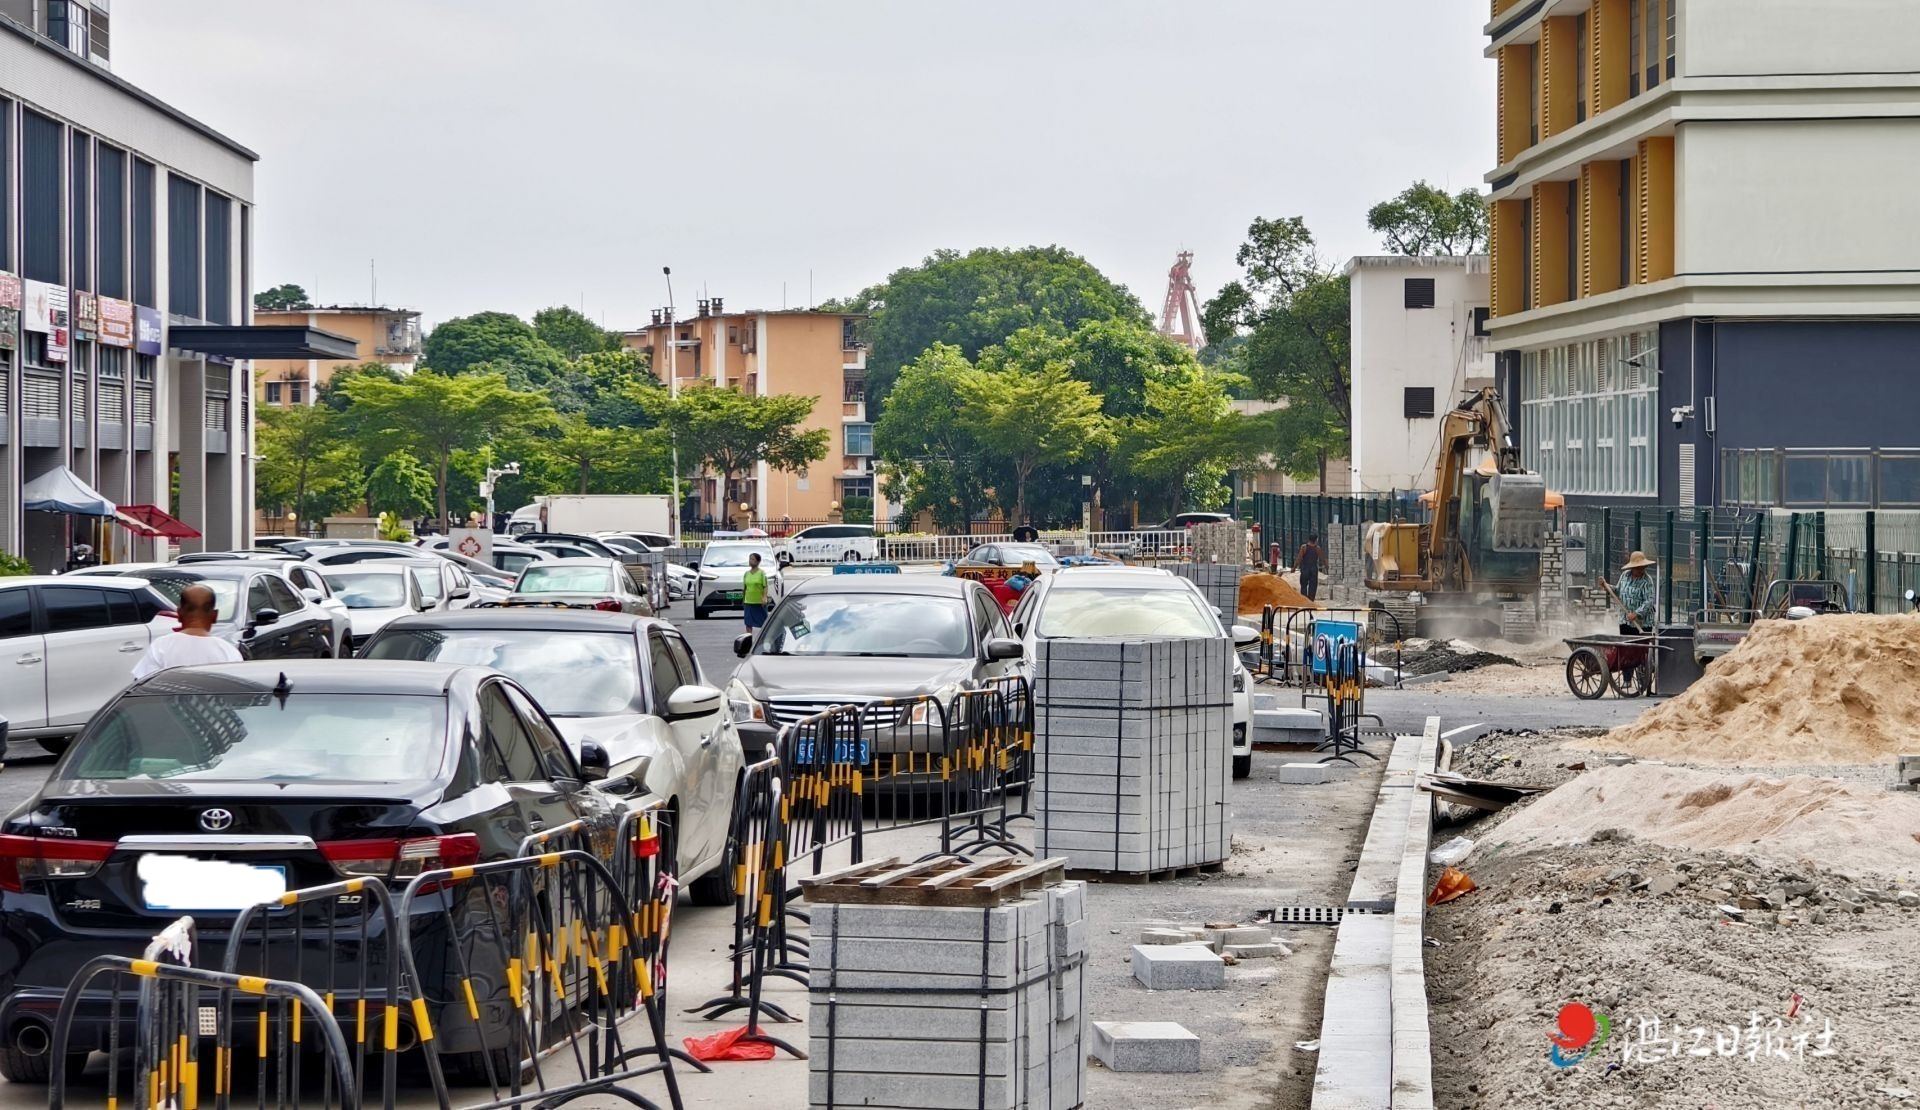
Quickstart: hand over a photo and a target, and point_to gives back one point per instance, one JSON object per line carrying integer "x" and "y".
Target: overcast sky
{"x": 488, "y": 154}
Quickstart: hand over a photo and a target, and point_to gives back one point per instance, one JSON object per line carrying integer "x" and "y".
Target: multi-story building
{"x": 815, "y": 354}
{"x": 124, "y": 261}
{"x": 1419, "y": 340}
{"x": 390, "y": 336}
{"x": 1706, "y": 270}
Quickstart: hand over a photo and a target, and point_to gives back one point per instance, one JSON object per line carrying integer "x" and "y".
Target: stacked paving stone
{"x": 1131, "y": 745}
{"x": 950, "y": 1008}
{"x": 1219, "y": 582}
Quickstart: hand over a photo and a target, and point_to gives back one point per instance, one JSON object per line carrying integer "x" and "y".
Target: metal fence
{"x": 1288, "y": 519}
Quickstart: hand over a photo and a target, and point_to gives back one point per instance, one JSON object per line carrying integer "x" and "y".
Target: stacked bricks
{"x": 950, "y": 1008}
{"x": 1220, "y": 542}
{"x": 1131, "y": 752}
{"x": 1219, "y": 582}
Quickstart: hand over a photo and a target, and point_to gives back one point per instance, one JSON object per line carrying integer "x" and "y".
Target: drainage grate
{"x": 1308, "y": 915}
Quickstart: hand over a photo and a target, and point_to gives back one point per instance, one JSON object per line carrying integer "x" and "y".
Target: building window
{"x": 854, "y": 388}
{"x": 859, "y": 439}
{"x": 1673, "y": 39}
{"x": 101, "y": 26}
{"x": 274, "y": 391}
{"x": 1480, "y": 315}
{"x": 183, "y": 247}
{"x": 1419, "y": 402}
{"x": 1588, "y": 422}
{"x": 80, "y": 174}
{"x": 113, "y": 363}
{"x": 219, "y": 259}
{"x": 1420, "y": 293}
{"x": 856, "y": 487}
{"x": 1526, "y": 255}
{"x": 1653, "y": 26}
{"x": 1634, "y": 32}
{"x": 1533, "y": 95}
{"x": 143, "y": 367}
{"x": 33, "y": 348}
{"x": 1583, "y": 54}
{"x": 849, "y": 335}
{"x": 143, "y": 217}
{"x": 44, "y": 212}
{"x": 110, "y": 226}
{"x": 297, "y": 392}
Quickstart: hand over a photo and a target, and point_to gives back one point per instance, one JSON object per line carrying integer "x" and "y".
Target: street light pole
{"x": 673, "y": 391}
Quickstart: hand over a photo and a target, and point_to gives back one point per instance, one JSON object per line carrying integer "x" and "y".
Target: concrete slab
{"x": 1305, "y": 774}
{"x": 1179, "y": 967}
{"x": 1156, "y": 1046}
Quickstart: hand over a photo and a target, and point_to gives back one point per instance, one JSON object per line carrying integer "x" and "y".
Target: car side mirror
{"x": 743, "y": 644}
{"x": 265, "y": 616}
{"x": 1000, "y": 649}
{"x": 313, "y": 595}
{"x": 594, "y": 763}
{"x": 460, "y": 593}
{"x": 1244, "y": 637}
{"x": 689, "y": 702}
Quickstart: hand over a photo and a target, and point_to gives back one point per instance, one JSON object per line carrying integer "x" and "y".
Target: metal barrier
{"x": 167, "y": 1044}
{"x": 990, "y": 741}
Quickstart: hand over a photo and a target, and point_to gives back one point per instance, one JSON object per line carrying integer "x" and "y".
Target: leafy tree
{"x": 488, "y": 342}
{"x": 931, "y": 459}
{"x": 306, "y": 463}
{"x": 1027, "y": 408}
{"x": 401, "y": 486}
{"x": 433, "y": 415}
{"x": 600, "y": 385}
{"x": 281, "y": 298}
{"x": 572, "y": 333}
{"x": 1286, "y": 329}
{"x": 1187, "y": 438}
{"x": 330, "y": 393}
{"x": 1425, "y": 220}
{"x": 978, "y": 299}
{"x": 583, "y": 458}
{"x": 731, "y": 432}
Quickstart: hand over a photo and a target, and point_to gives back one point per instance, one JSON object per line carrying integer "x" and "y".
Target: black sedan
{"x": 258, "y": 608}
{"x": 202, "y": 790}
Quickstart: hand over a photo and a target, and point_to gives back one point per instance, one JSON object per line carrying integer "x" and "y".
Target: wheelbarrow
{"x": 1623, "y": 662}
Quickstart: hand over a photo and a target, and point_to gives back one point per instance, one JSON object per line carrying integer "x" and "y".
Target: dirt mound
{"x": 1839, "y": 689}
{"x": 1451, "y": 656}
{"x": 1257, "y": 591}
{"x": 1822, "y": 822}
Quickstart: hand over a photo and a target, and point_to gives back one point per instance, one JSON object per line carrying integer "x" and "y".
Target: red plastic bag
{"x": 727, "y": 1046}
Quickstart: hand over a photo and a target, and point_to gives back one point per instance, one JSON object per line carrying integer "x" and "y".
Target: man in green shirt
{"x": 753, "y": 593}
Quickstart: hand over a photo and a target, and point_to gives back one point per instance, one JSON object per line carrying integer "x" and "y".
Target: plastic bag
{"x": 1452, "y": 852}
{"x": 1453, "y": 883}
{"x": 726, "y": 1046}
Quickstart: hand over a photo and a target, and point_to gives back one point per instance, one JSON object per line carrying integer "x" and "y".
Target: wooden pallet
{"x": 936, "y": 881}
{"x": 1135, "y": 878}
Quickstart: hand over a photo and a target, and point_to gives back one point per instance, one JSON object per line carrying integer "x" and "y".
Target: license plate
{"x": 843, "y": 752}
{"x": 185, "y": 884}
{"x": 732, "y": 595}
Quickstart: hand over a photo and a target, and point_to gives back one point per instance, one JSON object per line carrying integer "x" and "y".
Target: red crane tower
{"x": 1183, "y": 301}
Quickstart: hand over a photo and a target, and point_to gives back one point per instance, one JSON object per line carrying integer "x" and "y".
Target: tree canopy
{"x": 306, "y": 463}
{"x": 281, "y": 298}
{"x": 1425, "y": 220}
{"x": 401, "y": 486}
{"x": 570, "y": 332}
{"x": 493, "y": 342}
{"x": 732, "y": 431}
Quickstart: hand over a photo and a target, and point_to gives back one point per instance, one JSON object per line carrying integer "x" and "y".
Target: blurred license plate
{"x": 843, "y": 752}
{"x": 183, "y": 883}
{"x": 732, "y": 595}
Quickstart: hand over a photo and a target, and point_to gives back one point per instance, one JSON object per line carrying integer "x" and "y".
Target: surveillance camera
{"x": 1680, "y": 415}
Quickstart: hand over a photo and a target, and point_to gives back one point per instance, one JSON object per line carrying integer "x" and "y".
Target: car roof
{"x": 313, "y": 676}
{"x": 129, "y": 580}
{"x": 539, "y": 620}
{"x": 371, "y": 566}
{"x": 914, "y": 585}
{"x": 239, "y": 568}
{"x": 578, "y": 561}
{"x": 1135, "y": 578}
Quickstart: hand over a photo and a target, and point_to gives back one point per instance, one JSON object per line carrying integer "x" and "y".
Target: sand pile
{"x": 1821, "y": 822}
{"x": 1257, "y": 591}
{"x": 1839, "y": 689}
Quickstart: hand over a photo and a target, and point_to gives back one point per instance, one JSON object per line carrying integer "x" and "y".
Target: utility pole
{"x": 486, "y": 487}
{"x": 673, "y": 391}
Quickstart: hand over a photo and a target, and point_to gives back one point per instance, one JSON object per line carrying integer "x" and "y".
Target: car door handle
{"x": 130, "y": 646}
{"x": 706, "y": 741}
{"x": 28, "y": 660}
{"x": 534, "y": 824}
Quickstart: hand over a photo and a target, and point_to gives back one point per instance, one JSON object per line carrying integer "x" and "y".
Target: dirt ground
{"x": 1713, "y": 945}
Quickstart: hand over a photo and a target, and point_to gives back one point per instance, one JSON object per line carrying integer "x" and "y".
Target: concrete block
{"x": 1305, "y": 774}
{"x": 1241, "y": 934}
{"x": 1166, "y": 936}
{"x": 1269, "y": 950}
{"x": 1156, "y": 1046}
{"x": 1178, "y": 967}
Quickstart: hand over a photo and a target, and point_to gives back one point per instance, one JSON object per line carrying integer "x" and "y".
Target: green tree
{"x": 281, "y": 298}
{"x": 306, "y": 463}
{"x": 330, "y": 393}
{"x": 570, "y": 332}
{"x": 1028, "y": 408}
{"x": 930, "y": 458}
{"x": 600, "y": 385}
{"x": 1186, "y": 438}
{"x": 401, "y": 486}
{"x": 1286, "y": 328}
{"x": 732, "y": 432}
{"x": 433, "y": 415}
{"x": 580, "y": 457}
{"x": 975, "y": 300}
{"x": 492, "y": 342}
{"x": 1425, "y": 220}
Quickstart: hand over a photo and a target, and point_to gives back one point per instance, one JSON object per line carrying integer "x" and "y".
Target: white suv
{"x": 832, "y": 543}
{"x": 68, "y": 646}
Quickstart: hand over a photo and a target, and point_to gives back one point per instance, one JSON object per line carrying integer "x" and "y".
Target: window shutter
{"x": 1643, "y": 260}
{"x": 1686, "y": 476}
{"x": 1419, "y": 403}
{"x": 1420, "y": 293}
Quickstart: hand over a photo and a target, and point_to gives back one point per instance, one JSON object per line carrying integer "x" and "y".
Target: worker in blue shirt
{"x": 1635, "y": 594}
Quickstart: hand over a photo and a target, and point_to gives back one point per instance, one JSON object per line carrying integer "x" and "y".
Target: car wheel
{"x": 699, "y": 614}
{"x": 18, "y": 1067}
{"x": 715, "y": 888}
{"x": 1242, "y": 765}
{"x": 56, "y": 745}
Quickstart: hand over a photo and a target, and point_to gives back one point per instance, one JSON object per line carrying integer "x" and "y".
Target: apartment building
{"x": 815, "y": 354}
{"x": 124, "y": 332}
{"x": 1420, "y": 340}
{"x": 390, "y": 336}
{"x": 1705, "y": 266}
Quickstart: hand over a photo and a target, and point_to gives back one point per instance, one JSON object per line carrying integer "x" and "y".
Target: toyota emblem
{"x": 216, "y": 820}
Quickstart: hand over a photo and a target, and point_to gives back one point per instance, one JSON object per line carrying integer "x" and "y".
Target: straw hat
{"x": 1637, "y": 559}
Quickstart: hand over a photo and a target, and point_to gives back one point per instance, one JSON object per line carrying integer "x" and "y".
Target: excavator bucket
{"x": 1519, "y": 504}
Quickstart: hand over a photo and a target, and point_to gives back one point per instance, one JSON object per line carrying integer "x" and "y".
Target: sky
{"x": 484, "y": 154}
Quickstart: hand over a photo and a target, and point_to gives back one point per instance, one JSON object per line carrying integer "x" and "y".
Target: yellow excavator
{"x": 1487, "y": 524}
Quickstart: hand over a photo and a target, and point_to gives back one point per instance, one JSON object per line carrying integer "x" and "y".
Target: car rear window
{"x": 226, "y": 591}
{"x": 355, "y": 738}
{"x": 367, "y": 590}
{"x": 565, "y": 580}
{"x": 571, "y": 674}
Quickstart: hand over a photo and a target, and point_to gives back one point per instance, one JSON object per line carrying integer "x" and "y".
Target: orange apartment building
{"x": 388, "y": 335}
{"x": 815, "y": 354}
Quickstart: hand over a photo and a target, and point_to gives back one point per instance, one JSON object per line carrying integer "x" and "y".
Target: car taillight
{"x": 607, "y": 605}
{"x": 29, "y": 858}
{"x": 167, "y": 614}
{"x": 400, "y": 859}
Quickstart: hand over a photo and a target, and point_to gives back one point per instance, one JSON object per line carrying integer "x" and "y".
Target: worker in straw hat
{"x": 1635, "y": 594}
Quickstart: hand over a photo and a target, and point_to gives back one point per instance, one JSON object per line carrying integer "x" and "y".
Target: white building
{"x": 1419, "y": 341}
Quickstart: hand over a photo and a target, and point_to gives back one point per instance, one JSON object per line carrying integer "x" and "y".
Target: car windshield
{"x": 1017, "y": 553}
{"x": 1119, "y": 612}
{"x": 226, "y": 591}
{"x": 427, "y": 579}
{"x": 359, "y": 738}
{"x": 869, "y": 624}
{"x": 368, "y": 591}
{"x": 565, "y": 580}
{"x": 571, "y": 674}
{"x": 735, "y": 556}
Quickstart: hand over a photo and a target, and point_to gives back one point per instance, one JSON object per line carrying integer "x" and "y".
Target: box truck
{"x": 588, "y": 513}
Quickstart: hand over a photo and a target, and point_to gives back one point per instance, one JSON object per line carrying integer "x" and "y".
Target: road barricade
{"x": 989, "y": 764}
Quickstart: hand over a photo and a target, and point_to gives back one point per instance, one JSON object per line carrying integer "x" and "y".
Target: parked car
{"x": 831, "y": 543}
{"x": 629, "y": 685}
{"x": 682, "y": 582}
{"x": 853, "y": 639}
{"x": 302, "y": 773}
{"x": 723, "y": 565}
{"x": 589, "y": 583}
{"x": 1010, "y": 555}
{"x": 1136, "y": 601}
{"x": 509, "y": 557}
{"x": 587, "y": 545}
{"x": 258, "y": 608}
{"x": 375, "y": 593}
{"x": 1182, "y": 521}
{"x": 655, "y": 541}
{"x": 72, "y": 641}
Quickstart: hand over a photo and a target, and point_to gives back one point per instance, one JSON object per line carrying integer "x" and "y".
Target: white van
{"x": 832, "y": 543}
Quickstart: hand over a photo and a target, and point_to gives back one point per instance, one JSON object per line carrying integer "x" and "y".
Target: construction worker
{"x": 1635, "y": 594}
{"x": 1307, "y": 562}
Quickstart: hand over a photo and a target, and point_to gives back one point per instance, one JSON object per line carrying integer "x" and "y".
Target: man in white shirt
{"x": 194, "y": 643}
